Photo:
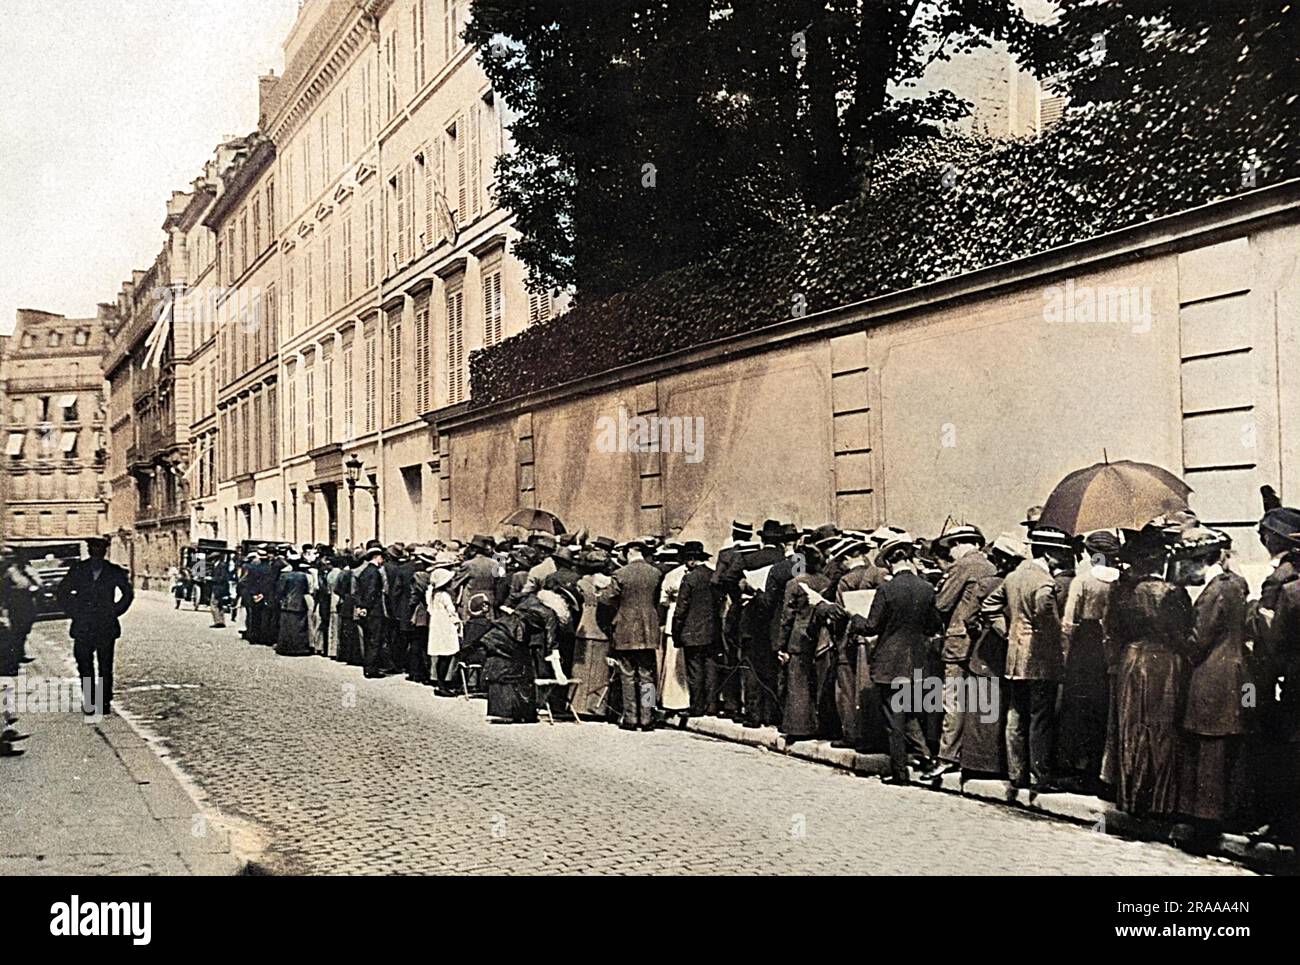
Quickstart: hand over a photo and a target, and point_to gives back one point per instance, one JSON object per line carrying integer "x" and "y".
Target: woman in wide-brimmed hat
{"x": 1151, "y": 619}
{"x": 444, "y": 627}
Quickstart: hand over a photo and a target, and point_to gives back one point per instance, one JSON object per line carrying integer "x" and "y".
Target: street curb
{"x": 1080, "y": 809}
{"x": 145, "y": 757}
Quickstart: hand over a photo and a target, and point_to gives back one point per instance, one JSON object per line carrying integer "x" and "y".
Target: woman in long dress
{"x": 798, "y": 650}
{"x": 1214, "y": 783}
{"x": 293, "y": 597}
{"x": 444, "y": 628}
{"x": 512, "y": 648}
{"x": 591, "y": 670}
{"x": 674, "y": 693}
{"x": 1152, "y": 620}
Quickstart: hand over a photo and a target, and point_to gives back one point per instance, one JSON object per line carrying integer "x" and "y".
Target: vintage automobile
{"x": 50, "y": 560}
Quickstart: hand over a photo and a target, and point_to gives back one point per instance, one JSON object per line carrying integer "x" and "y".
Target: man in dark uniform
{"x": 94, "y": 593}
{"x": 370, "y": 597}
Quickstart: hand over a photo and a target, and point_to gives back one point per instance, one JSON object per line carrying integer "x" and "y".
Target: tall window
{"x": 539, "y": 306}
{"x": 306, "y": 165}
{"x": 456, "y": 343}
{"x": 327, "y": 259}
{"x": 327, "y": 390}
{"x": 272, "y": 322}
{"x": 259, "y": 456}
{"x": 325, "y": 171}
{"x": 309, "y": 404}
{"x": 291, "y": 410}
{"x": 417, "y": 46}
{"x": 394, "y": 387}
{"x": 423, "y": 373}
{"x": 345, "y": 135}
{"x": 292, "y": 295}
{"x": 370, "y": 388}
{"x": 273, "y": 420}
{"x": 367, "y": 108}
{"x": 349, "y": 427}
{"x": 347, "y": 258}
{"x": 493, "y": 309}
{"x": 308, "y": 278}
{"x": 370, "y": 243}
{"x": 257, "y": 227}
{"x": 398, "y": 210}
{"x": 270, "y": 209}
{"x": 453, "y": 24}
{"x": 243, "y": 240}
{"x": 390, "y": 75}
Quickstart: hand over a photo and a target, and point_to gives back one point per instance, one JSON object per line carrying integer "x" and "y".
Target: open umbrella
{"x": 1111, "y": 495}
{"x": 535, "y": 520}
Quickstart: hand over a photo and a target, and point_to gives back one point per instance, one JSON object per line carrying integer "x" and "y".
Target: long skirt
{"x": 674, "y": 691}
{"x": 799, "y": 713}
{"x": 984, "y": 733}
{"x": 1149, "y": 737}
{"x": 873, "y": 738}
{"x": 1214, "y": 781}
{"x": 592, "y": 673}
{"x": 349, "y": 650}
{"x": 315, "y": 630}
{"x": 335, "y": 641}
{"x": 513, "y": 701}
{"x": 1081, "y": 734}
{"x": 262, "y": 624}
{"x": 293, "y": 640}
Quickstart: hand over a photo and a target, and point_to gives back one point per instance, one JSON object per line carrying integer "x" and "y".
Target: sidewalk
{"x": 96, "y": 798}
{"x": 1081, "y": 809}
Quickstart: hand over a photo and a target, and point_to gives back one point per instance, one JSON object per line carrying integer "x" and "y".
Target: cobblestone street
{"x": 346, "y": 775}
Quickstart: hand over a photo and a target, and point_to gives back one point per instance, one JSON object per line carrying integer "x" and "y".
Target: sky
{"x": 106, "y": 107}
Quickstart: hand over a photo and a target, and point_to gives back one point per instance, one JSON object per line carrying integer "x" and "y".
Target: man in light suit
{"x": 1025, "y": 610}
{"x": 94, "y": 593}
{"x": 634, "y": 589}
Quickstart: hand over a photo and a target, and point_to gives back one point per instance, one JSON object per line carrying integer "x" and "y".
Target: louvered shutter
{"x": 455, "y": 345}
{"x": 492, "y": 308}
{"x": 411, "y": 240}
{"x": 475, "y": 172}
{"x": 401, "y": 220}
{"x": 429, "y": 240}
{"x": 422, "y": 356}
{"x": 462, "y": 199}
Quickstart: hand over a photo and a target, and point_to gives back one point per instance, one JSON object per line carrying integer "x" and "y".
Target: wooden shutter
{"x": 347, "y": 258}
{"x": 401, "y": 218}
{"x": 422, "y": 400}
{"x": 349, "y": 430}
{"x": 492, "y": 307}
{"x": 395, "y": 372}
{"x": 475, "y": 162}
{"x": 462, "y": 199}
{"x": 370, "y": 383}
{"x": 429, "y": 191}
{"x": 410, "y": 210}
{"x": 455, "y": 345}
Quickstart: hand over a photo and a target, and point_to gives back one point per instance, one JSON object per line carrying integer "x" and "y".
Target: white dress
{"x": 444, "y": 623}
{"x": 673, "y": 691}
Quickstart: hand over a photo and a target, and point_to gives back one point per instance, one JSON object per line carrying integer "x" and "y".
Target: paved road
{"x": 346, "y": 775}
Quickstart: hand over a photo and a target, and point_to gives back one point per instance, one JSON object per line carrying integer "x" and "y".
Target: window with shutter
{"x": 370, "y": 243}
{"x": 492, "y": 307}
{"x": 400, "y": 205}
{"x": 475, "y": 163}
{"x": 327, "y": 262}
{"x": 347, "y": 258}
{"x": 430, "y": 190}
{"x": 462, "y": 198}
{"x": 423, "y": 402}
{"x": 273, "y": 420}
{"x": 309, "y": 406}
{"x": 327, "y": 389}
{"x": 325, "y": 171}
{"x": 370, "y": 383}
{"x": 539, "y": 306}
{"x": 291, "y": 411}
{"x": 345, "y": 135}
{"x": 308, "y": 277}
{"x": 349, "y": 429}
{"x": 411, "y": 229}
{"x": 455, "y": 345}
{"x": 394, "y": 388}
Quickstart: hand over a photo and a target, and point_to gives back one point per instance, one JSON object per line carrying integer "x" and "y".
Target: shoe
{"x": 26, "y": 659}
{"x": 627, "y": 726}
{"x": 896, "y": 781}
{"x": 216, "y": 626}
{"x": 12, "y": 736}
{"x": 938, "y": 770}
{"x": 7, "y": 750}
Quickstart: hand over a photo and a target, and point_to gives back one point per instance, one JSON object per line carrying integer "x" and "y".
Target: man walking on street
{"x": 95, "y": 593}
{"x": 218, "y": 587}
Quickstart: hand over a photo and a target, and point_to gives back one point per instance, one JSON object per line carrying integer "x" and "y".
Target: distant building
{"x": 52, "y": 422}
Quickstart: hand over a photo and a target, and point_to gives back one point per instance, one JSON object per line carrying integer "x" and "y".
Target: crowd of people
{"x": 1133, "y": 664}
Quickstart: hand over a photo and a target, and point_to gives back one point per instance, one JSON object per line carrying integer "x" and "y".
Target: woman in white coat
{"x": 444, "y": 629}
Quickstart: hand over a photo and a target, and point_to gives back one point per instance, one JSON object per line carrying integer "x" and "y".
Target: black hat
{"x": 771, "y": 532}
{"x": 606, "y": 543}
{"x": 693, "y": 549}
{"x": 1282, "y": 521}
{"x": 483, "y": 543}
{"x": 790, "y": 532}
{"x": 543, "y": 541}
{"x": 741, "y": 531}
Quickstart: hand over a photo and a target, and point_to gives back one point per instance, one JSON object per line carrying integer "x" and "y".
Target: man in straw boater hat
{"x": 958, "y": 601}
{"x": 902, "y": 620}
{"x": 1024, "y": 609}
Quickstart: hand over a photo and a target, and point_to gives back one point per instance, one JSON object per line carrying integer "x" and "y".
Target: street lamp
{"x": 352, "y": 466}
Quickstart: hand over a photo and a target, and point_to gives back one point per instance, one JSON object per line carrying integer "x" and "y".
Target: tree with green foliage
{"x": 650, "y": 133}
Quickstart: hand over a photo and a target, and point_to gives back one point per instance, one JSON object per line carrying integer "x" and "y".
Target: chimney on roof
{"x": 266, "y": 85}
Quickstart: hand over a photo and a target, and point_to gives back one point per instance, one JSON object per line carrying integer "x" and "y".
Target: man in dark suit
{"x": 634, "y": 588}
{"x": 94, "y": 593}
{"x": 696, "y": 629}
{"x": 370, "y": 599}
{"x": 397, "y": 594}
{"x": 902, "y": 619}
{"x": 726, "y": 583}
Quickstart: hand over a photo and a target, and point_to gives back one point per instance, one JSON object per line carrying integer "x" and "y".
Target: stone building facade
{"x": 52, "y": 408}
